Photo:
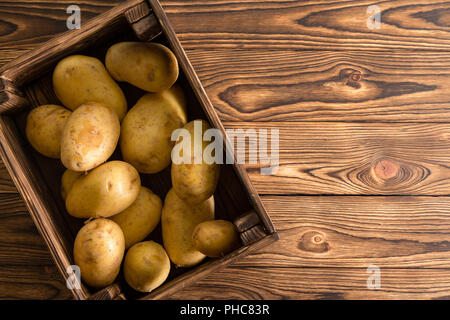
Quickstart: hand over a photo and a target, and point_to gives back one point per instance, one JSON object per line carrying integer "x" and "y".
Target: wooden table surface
{"x": 364, "y": 120}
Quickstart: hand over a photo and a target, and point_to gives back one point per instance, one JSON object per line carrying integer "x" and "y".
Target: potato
{"x": 215, "y": 238}
{"x": 89, "y": 138}
{"x": 104, "y": 191}
{"x": 145, "y": 139}
{"x": 192, "y": 182}
{"x": 80, "y": 79}
{"x": 44, "y": 129}
{"x": 98, "y": 251}
{"x": 146, "y": 266}
{"x": 178, "y": 221}
{"x": 149, "y": 66}
{"x": 141, "y": 218}
{"x": 67, "y": 180}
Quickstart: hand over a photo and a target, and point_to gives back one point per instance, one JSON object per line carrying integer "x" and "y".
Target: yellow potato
{"x": 104, "y": 191}
{"x": 149, "y": 66}
{"x": 80, "y": 79}
{"x": 141, "y": 218}
{"x": 67, "y": 180}
{"x": 192, "y": 182}
{"x": 146, "y": 266}
{"x": 44, "y": 129}
{"x": 145, "y": 139}
{"x": 98, "y": 251}
{"x": 215, "y": 238}
{"x": 89, "y": 137}
{"x": 178, "y": 221}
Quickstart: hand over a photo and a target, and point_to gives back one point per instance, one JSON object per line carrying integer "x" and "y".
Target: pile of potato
{"x": 121, "y": 212}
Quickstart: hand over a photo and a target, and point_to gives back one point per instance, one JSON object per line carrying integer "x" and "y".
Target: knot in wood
{"x": 356, "y": 76}
{"x": 318, "y": 239}
{"x": 351, "y": 77}
{"x": 386, "y": 169}
{"x": 313, "y": 241}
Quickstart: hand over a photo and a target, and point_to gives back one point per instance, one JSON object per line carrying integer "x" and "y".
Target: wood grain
{"x": 27, "y": 270}
{"x": 319, "y": 283}
{"x": 356, "y": 231}
{"x": 41, "y": 60}
{"x": 356, "y": 158}
{"x": 24, "y": 24}
{"x": 279, "y": 24}
{"x": 35, "y": 281}
{"x": 288, "y": 85}
{"x": 6, "y": 55}
{"x": 318, "y": 24}
{"x": 6, "y": 184}
{"x": 21, "y": 243}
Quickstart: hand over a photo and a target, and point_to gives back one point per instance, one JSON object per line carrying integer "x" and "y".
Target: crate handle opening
{"x": 249, "y": 227}
{"x": 10, "y": 96}
{"x": 112, "y": 292}
{"x": 143, "y": 21}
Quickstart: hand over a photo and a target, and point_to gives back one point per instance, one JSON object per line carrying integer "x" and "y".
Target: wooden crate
{"x": 26, "y": 83}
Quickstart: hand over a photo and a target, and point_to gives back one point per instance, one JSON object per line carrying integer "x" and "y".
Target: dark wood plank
{"x": 38, "y": 62}
{"x": 35, "y": 281}
{"x": 356, "y": 158}
{"x": 356, "y": 231}
{"x": 27, "y": 270}
{"x": 288, "y": 85}
{"x": 319, "y": 24}
{"x": 23, "y": 24}
{"x": 319, "y": 283}
{"x": 20, "y": 241}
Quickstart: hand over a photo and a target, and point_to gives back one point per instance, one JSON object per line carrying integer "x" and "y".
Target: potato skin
{"x": 195, "y": 183}
{"x": 149, "y": 66}
{"x": 215, "y": 238}
{"x": 178, "y": 221}
{"x": 67, "y": 180}
{"x": 89, "y": 137}
{"x": 81, "y": 79}
{"x": 98, "y": 251}
{"x": 104, "y": 191}
{"x": 141, "y": 218}
{"x": 145, "y": 139}
{"x": 146, "y": 266}
{"x": 44, "y": 129}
